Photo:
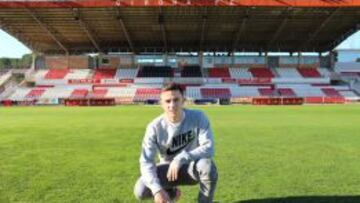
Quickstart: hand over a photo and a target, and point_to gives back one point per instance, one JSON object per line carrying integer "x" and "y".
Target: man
{"x": 185, "y": 144}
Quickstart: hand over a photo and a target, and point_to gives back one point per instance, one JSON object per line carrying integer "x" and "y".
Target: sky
{"x": 12, "y": 48}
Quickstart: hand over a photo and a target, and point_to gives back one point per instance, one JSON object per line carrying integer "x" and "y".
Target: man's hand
{"x": 161, "y": 197}
{"x": 173, "y": 171}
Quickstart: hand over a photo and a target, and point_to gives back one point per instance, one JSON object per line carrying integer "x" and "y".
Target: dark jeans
{"x": 202, "y": 172}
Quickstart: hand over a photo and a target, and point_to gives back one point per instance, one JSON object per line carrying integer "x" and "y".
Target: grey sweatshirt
{"x": 190, "y": 140}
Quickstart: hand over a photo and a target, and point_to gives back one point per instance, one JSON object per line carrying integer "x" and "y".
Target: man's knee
{"x": 206, "y": 169}
{"x": 141, "y": 192}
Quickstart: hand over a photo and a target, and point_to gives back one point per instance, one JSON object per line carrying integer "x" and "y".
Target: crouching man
{"x": 185, "y": 143}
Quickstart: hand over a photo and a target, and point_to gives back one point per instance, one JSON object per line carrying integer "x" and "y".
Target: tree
{"x": 23, "y": 62}
{"x": 26, "y": 61}
{"x": 5, "y": 63}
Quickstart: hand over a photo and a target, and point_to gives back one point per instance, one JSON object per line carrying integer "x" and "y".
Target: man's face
{"x": 172, "y": 102}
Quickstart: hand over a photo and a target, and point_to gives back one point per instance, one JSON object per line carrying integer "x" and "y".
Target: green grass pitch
{"x": 81, "y": 154}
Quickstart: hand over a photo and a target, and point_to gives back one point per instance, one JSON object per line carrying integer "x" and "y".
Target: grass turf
{"x": 72, "y": 154}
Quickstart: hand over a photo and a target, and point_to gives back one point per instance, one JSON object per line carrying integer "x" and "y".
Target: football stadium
{"x": 284, "y": 110}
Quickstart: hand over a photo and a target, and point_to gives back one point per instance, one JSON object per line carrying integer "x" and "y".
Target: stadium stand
{"x": 136, "y": 73}
{"x": 143, "y": 84}
{"x": 220, "y": 83}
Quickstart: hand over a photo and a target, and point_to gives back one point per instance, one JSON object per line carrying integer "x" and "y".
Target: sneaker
{"x": 178, "y": 195}
{"x": 174, "y": 194}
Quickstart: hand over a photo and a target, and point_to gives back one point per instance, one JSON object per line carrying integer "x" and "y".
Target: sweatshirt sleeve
{"x": 206, "y": 143}
{"x": 147, "y": 160}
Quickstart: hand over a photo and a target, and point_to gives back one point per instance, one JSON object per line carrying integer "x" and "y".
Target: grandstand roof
{"x": 58, "y": 27}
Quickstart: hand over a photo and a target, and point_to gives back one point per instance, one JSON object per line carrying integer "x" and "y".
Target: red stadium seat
{"x": 219, "y": 73}
{"x": 261, "y": 73}
{"x": 79, "y": 94}
{"x": 215, "y": 93}
{"x": 104, "y": 74}
{"x": 100, "y": 93}
{"x": 286, "y": 92}
{"x": 145, "y": 94}
{"x": 331, "y": 92}
{"x": 56, "y": 74}
{"x": 35, "y": 93}
{"x": 266, "y": 92}
{"x": 309, "y": 72}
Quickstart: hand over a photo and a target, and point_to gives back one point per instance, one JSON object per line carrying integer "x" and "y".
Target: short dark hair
{"x": 173, "y": 87}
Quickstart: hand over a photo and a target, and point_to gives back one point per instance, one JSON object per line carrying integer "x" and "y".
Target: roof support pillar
{"x": 239, "y": 33}
{"x": 201, "y": 57}
{"x": 202, "y": 33}
{"x": 47, "y": 30}
{"x": 313, "y": 35}
{"x": 161, "y": 21}
{"x": 86, "y": 29}
{"x": 125, "y": 30}
{"x": 299, "y": 59}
